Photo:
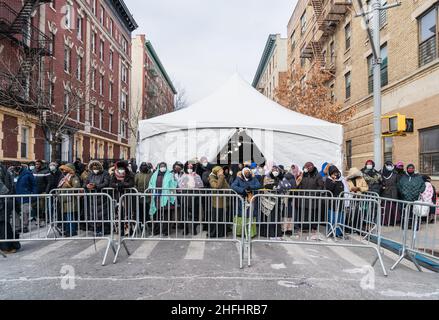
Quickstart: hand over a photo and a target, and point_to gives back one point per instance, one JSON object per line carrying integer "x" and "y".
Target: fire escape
{"x": 31, "y": 46}
{"x": 328, "y": 14}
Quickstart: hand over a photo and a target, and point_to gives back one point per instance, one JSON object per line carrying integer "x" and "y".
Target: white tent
{"x": 204, "y": 129}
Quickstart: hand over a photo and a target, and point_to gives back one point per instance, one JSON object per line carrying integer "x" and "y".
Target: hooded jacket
{"x": 389, "y": 184}
{"x": 311, "y": 181}
{"x": 216, "y": 182}
{"x": 41, "y": 179}
{"x": 373, "y": 179}
{"x": 25, "y": 184}
{"x": 53, "y": 180}
{"x": 335, "y": 186}
{"x": 126, "y": 183}
{"x": 101, "y": 180}
{"x": 355, "y": 179}
{"x": 168, "y": 183}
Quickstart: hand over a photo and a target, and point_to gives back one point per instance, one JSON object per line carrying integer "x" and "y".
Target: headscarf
{"x": 243, "y": 173}
{"x": 296, "y": 171}
{"x": 386, "y": 173}
{"x": 120, "y": 165}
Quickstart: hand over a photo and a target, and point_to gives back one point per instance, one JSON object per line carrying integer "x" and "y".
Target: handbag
{"x": 267, "y": 205}
{"x": 420, "y": 209}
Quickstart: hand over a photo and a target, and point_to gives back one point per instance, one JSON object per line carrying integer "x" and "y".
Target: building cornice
{"x": 155, "y": 57}
{"x": 269, "y": 47}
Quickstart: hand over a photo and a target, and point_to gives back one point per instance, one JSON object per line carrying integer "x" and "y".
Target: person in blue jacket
{"x": 25, "y": 184}
{"x": 245, "y": 185}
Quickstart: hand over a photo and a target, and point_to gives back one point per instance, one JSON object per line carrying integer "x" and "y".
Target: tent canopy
{"x": 204, "y": 128}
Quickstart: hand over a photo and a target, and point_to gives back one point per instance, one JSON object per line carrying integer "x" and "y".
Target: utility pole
{"x": 374, "y": 40}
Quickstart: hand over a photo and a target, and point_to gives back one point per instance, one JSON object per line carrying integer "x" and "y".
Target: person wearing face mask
{"x": 122, "y": 178}
{"x": 177, "y": 170}
{"x": 390, "y": 181}
{"x": 372, "y": 177}
{"x": 228, "y": 174}
{"x": 98, "y": 179}
{"x": 191, "y": 180}
{"x": 218, "y": 181}
{"x": 310, "y": 179}
{"x": 24, "y": 184}
{"x": 142, "y": 178}
{"x": 162, "y": 182}
{"x": 410, "y": 187}
{"x": 54, "y": 177}
{"x": 334, "y": 183}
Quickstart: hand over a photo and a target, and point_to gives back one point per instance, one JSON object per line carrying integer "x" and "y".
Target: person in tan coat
{"x": 217, "y": 180}
{"x": 356, "y": 182}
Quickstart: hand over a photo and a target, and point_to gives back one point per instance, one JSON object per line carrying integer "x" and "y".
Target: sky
{"x": 202, "y": 43}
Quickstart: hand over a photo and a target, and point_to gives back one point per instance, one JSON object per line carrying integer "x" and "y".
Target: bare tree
{"x": 309, "y": 94}
{"x": 181, "y": 99}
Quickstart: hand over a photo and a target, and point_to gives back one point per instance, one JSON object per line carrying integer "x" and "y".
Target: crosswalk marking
{"x": 195, "y": 250}
{"x": 298, "y": 254}
{"x": 144, "y": 250}
{"x": 349, "y": 256}
{"x": 46, "y": 250}
{"x": 100, "y": 245}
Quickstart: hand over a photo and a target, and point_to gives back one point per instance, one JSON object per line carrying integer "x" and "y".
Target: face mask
{"x": 52, "y": 168}
{"x": 369, "y": 167}
{"x": 275, "y": 174}
{"x": 390, "y": 168}
{"x": 163, "y": 170}
{"x": 190, "y": 171}
{"x": 205, "y": 164}
{"x": 337, "y": 176}
{"x": 410, "y": 171}
{"x": 121, "y": 171}
{"x": 305, "y": 170}
{"x": 97, "y": 171}
{"x": 32, "y": 168}
{"x": 231, "y": 173}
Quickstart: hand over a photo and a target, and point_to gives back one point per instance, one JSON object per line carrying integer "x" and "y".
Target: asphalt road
{"x": 198, "y": 270}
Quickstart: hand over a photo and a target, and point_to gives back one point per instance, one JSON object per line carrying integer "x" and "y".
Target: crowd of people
{"x": 393, "y": 181}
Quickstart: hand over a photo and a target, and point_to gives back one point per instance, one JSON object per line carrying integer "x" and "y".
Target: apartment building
{"x": 327, "y": 33}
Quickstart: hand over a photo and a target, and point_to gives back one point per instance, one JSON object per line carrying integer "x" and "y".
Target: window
{"x": 52, "y": 44}
{"x": 124, "y": 100}
{"x": 92, "y": 111}
{"x": 67, "y": 59}
{"x": 347, "y": 80}
{"x": 66, "y": 102}
{"x": 429, "y": 151}
{"x": 79, "y": 22}
{"x": 384, "y": 68}
{"x": 93, "y": 6}
{"x": 102, "y": 15}
{"x": 101, "y": 118}
{"x": 78, "y": 111}
{"x": 111, "y": 60}
{"x": 79, "y": 69}
{"x": 293, "y": 41}
{"x": 124, "y": 74}
{"x": 101, "y": 85}
{"x": 303, "y": 23}
{"x": 101, "y": 50}
{"x": 110, "y": 91}
{"x": 123, "y": 129}
{"x": 348, "y": 154}
{"x": 347, "y": 36}
{"x": 52, "y": 93}
{"x": 24, "y": 141}
{"x": 93, "y": 79}
{"x": 388, "y": 149}
{"x": 332, "y": 51}
{"x": 428, "y": 37}
{"x": 111, "y": 27}
{"x": 68, "y": 17}
{"x": 110, "y": 122}
{"x": 125, "y": 45}
{"x": 93, "y": 42}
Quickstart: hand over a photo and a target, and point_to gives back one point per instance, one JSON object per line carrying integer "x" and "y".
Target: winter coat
{"x": 240, "y": 185}
{"x": 373, "y": 179}
{"x": 127, "y": 183}
{"x": 70, "y": 204}
{"x": 355, "y": 179}
{"x": 411, "y": 187}
{"x": 6, "y": 179}
{"x": 390, "y": 186}
{"x": 216, "y": 182}
{"x": 427, "y": 195}
{"x": 190, "y": 181}
{"x": 41, "y": 180}
{"x": 99, "y": 204}
{"x": 25, "y": 185}
{"x": 335, "y": 186}
{"x": 312, "y": 181}
{"x": 141, "y": 181}
{"x": 53, "y": 180}
{"x": 167, "y": 184}
{"x": 100, "y": 180}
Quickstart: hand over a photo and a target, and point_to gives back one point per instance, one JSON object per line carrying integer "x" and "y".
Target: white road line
{"x": 46, "y": 250}
{"x": 100, "y": 245}
{"x": 298, "y": 254}
{"x": 195, "y": 250}
{"x": 350, "y": 257}
{"x": 144, "y": 250}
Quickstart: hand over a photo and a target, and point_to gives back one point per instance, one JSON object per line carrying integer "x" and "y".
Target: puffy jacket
{"x": 335, "y": 186}
{"x": 240, "y": 185}
{"x": 355, "y": 179}
{"x": 41, "y": 180}
{"x": 53, "y": 180}
{"x": 25, "y": 184}
{"x": 373, "y": 179}
{"x": 312, "y": 181}
{"x": 100, "y": 180}
{"x": 390, "y": 186}
{"x": 411, "y": 187}
{"x": 141, "y": 181}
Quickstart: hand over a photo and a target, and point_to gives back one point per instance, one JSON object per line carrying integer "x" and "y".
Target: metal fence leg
{"x": 3, "y": 255}
{"x": 110, "y": 244}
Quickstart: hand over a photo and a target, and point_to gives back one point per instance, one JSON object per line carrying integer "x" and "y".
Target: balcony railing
{"x": 428, "y": 51}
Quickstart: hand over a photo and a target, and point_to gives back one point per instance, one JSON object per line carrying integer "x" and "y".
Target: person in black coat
{"x": 55, "y": 176}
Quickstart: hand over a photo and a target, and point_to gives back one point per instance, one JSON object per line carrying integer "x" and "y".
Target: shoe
{"x": 10, "y": 251}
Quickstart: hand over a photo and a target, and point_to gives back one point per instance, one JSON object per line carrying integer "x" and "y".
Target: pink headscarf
{"x": 296, "y": 171}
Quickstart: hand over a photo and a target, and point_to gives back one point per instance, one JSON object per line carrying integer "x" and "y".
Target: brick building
{"x": 273, "y": 67}
{"x": 153, "y": 93}
{"x": 89, "y": 54}
{"x": 327, "y": 32}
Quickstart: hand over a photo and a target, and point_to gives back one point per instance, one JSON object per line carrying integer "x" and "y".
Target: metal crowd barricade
{"x": 68, "y": 213}
{"x": 180, "y": 216}
{"x": 316, "y": 220}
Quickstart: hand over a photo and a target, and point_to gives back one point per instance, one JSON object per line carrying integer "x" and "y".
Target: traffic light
{"x": 397, "y": 124}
